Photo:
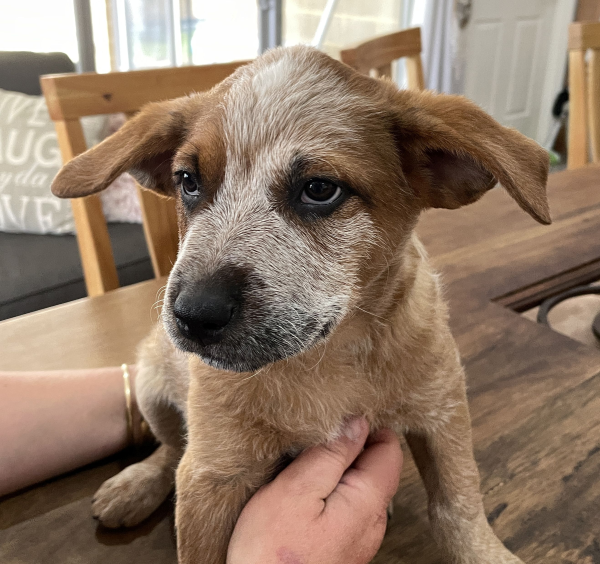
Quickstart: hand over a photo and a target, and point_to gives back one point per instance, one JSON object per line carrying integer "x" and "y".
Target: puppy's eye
{"x": 320, "y": 192}
{"x": 189, "y": 185}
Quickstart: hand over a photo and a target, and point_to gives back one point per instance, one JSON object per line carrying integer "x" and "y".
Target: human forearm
{"x": 53, "y": 422}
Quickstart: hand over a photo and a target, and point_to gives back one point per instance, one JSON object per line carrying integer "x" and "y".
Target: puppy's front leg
{"x": 444, "y": 456}
{"x": 209, "y": 503}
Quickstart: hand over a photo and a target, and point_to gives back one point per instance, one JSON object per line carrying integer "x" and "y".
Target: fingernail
{"x": 354, "y": 428}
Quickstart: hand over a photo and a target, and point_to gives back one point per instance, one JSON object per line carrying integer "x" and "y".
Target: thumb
{"x": 318, "y": 469}
{"x": 378, "y": 467}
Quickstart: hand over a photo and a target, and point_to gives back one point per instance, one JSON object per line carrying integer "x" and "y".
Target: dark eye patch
{"x": 189, "y": 187}
{"x": 309, "y": 194}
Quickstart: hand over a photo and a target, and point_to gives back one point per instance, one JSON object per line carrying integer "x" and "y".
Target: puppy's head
{"x": 296, "y": 181}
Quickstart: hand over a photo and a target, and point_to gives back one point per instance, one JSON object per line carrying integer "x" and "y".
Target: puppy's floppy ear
{"x": 144, "y": 147}
{"x": 452, "y": 152}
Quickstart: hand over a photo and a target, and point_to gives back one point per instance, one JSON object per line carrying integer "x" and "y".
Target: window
{"x": 155, "y": 33}
{"x": 40, "y": 26}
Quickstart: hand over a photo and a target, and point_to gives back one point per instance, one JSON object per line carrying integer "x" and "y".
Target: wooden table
{"x": 534, "y": 394}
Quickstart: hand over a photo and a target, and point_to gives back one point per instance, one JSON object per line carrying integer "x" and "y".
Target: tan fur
{"x": 361, "y": 270}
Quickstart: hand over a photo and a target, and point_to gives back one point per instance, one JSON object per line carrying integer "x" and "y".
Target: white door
{"x": 515, "y": 54}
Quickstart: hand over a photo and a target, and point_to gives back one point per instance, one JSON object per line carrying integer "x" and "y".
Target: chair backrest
{"x": 584, "y": 93}
{"x": 72, "y": 96}
{"x": 379, "y": 53}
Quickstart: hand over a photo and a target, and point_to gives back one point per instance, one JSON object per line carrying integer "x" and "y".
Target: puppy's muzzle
{"x": 232, "y": 322}
{"x": 203, "y": 312}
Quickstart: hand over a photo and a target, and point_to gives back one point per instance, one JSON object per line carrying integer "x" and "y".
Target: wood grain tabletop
{"x": 534, "y": 394}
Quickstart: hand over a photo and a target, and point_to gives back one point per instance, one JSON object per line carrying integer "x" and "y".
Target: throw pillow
{"x": 29, "y": 160}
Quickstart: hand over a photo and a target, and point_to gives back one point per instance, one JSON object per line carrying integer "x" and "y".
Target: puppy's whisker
{"x": 255, "y": 374}
{"x": 159, "y": 298}
{"x": 370, "y": 313}
{"x": 157, "y": 306}
{"x": 322, "y": 356}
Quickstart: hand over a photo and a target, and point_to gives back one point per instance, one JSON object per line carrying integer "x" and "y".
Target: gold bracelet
{"x": 128, "y": 403}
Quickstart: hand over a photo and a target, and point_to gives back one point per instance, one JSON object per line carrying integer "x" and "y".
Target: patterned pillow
{"x": 29, "y": 160}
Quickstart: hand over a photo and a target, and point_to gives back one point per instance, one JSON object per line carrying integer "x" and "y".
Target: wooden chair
{"x": 584, "y": 94}
{"x": 72, "y": 96}
{"x": 378, "y": 55}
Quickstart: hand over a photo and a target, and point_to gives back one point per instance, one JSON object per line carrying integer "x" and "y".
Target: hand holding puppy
{"x": 328, "y": 506}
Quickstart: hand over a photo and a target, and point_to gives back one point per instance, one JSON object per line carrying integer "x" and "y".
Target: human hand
{"x": 327, "y": 507}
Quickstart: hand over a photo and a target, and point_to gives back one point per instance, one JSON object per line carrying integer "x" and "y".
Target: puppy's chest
{"x": 315, "y": 403}
{"x": 316, "y": 412}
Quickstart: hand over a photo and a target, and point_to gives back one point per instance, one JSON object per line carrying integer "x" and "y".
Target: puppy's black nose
{"x": 202, "y": 312}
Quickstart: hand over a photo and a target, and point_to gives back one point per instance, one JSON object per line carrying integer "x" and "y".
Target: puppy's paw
{"x": 132, "y": 495}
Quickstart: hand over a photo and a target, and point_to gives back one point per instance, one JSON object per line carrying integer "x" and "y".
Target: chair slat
{"x": 594, "y": 103}
{"x": 77, "y": 95}
{"x": 578, "y": 146}
{"x": 95, "y": 249}
{"x": 380, "y": 52}
{"x": 385, "y": 71}
{"x": 160, "y": 228}
{"x": 584, "y": 35}
{"x": 414, "y": 73}
{"x": 584, "y": 94}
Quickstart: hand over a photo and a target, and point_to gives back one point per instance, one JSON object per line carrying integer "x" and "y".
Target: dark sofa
{"x": 39, "y": 271}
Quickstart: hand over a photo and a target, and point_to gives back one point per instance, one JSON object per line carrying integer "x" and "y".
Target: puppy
{"x": 301, "y": 295}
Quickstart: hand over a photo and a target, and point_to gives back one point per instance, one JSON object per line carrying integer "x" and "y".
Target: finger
{"x": 378, "y": 467}
{"x": 318, "y": 470}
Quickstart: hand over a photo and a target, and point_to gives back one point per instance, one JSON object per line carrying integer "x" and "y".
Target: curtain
{"x": 443, "y": 49}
